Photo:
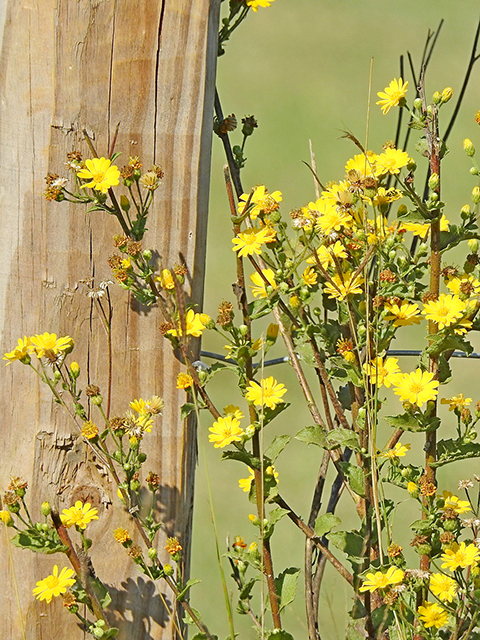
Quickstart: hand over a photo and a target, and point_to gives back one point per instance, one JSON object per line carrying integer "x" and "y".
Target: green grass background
{"x": 302, "y": 68}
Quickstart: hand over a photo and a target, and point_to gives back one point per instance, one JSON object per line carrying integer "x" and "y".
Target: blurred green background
{"x": 302, "y": 68}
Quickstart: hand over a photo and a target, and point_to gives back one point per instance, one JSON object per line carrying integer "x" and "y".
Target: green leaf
{"x": 270, "y": 414}
{"x": 304, "y": 350}
{"x": 246, "y": 592}
{"x": 186, "y": 409}
{"x": 276, "y": 447}
{"x": 324, "y": 524}
{"x": 350, "y": 542}
{"x": 313, "y": 435}
{"x": 440, "y": 343}
{"x": 186, "y": 587}
{"x": 101, "y": 591}
{"x": 454, "y": 450}
{"x": 354, "y": 476}
{"x": 242, "y": 456}
{"x": 409, "y": 422}
{"x": 259, "y": 308}
{"x": 50, "y": 544}
{"x": 286, "y": 586}
{"x": 278, "y": 634}
{"x": 274, "y": 516}
{"x": 343, "y": 438}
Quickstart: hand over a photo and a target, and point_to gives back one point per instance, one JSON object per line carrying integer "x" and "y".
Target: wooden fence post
{"x": 66, "y": 66}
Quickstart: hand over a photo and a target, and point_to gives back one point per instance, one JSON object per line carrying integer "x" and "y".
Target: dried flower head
{"x": 92, "y": 390}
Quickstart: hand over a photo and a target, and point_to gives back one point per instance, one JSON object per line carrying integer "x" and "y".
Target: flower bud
{"x": 142, "y": 457}
{"x": 152, "y": 553}
{"x": 437, "y": 97}
{"x": 168, "y": 569}
{"x": 272, "y": 333}
{"x": 283, "y": 287}
{"x": 434, "y": 181}
{"x": 402, "y": 210}
{"x": 96, "y": 400}
{"x": 46, "y": 509}
{"x": 250, "y": 431}
{"x": 476, "y": 195}
{"x": 468, "y": 147}
{"x": 135, "y": 485}
{"x": 74, "y": 369}
{"x": 417, "y": 104}
{"x": 474, "y": 171}
{"x": 147, "y": 255}
{"x": 124, "y": 202}
{"x": 207, "y": 322}
{"x": 447, "y": 93}
{"x": 6, "y": 518}
{"x": 243, "y": 330}
{"x": 473, "y": 245}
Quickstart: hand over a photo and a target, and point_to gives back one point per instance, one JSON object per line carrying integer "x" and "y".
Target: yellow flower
{"x": 21, "y": 351}
{"x": 344, "y": 286}
{"x": 456, "y": 402}
{"x": 272, "y": 332}
{"x": 391, "y": 161}
{"x": 422, "y": 230}
{"x": 138, "y": 405}
{"x": 121, "y": 535}
{"x": 310, "y": 277}
{"x": 184, "y": 381}
{"x": 246, "y": 483}
{"x": 454, "y": 503}
{"x": 326, "y": 255}
{"x": 234, "y": 411}
{"x": 365, "y": 165}
{"x": 193, "y": 324}
{"x": 254, "y": 4}
{"x": 224, "y": 431}
{"x": 403, "y": 315}
{"x": 433, "y": 615}
{"x": 166, "y": 279}
{"x": 398, "y": 451}
{"x": 5, "y": 517}
{"x": 154, "y": 405}
{"x": 79, "y": 516}
{"x": 89, "y": 430}
{"x": 250, "y": 241}
{"x": 47, "y": 345}
{"x": 379, "y": 580}
{"x": 412, "y": 489}
{"x": 465, "y": 286}
{"x": 268, "y": 393}
{"x": 260, "y": 288}
{"x": 444, "y": 311}
{"x": 392, "y": 95}
{"x": 260, "y": 202}
{"x": 173, "y": 546}
{"x": 382, "y": 373}
{"x": 417, "y": 387}
{"x": 333, "y": 220}
{"x": 55, "y": 584}
{"x": 460, "y": 556}
{"x": 101, "y": 173}
{"x": 385, "y": 196}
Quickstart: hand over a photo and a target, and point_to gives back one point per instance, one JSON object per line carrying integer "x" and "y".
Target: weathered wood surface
{"x": 67, "y": 65}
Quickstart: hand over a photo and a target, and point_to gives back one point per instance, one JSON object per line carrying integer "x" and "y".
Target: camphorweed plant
{"x": 340, "y": 279}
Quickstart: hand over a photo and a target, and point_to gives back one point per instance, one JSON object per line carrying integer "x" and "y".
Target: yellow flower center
{"x": 416, "y": 387}
{"x": 249, "y": 238}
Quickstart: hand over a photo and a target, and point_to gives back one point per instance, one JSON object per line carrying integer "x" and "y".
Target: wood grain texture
{"x": 67, "y": 65}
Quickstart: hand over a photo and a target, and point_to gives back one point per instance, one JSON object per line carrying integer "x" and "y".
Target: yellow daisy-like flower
{"x": 465, "y": 286}
{"x": 166, "y": 280}
{"x": 246, "y": 483}
{"x": 268, "y": 393}
{"x": 391, "y": 161}
{"x": 234, "y": 411}
{"x": 403, "y": 315}
{"x": 193, "y": 325}
{"x": 5, "y": 517}
{"x": 184, "y": 381}
{"x": 89, "y": 430}
{"x": 382, "y": 373}
{"x": 139, "y": 405}
{"x": 456, "y": 402}
{"x": 55, "y": 584}
{"x": 422, "y": 230}
{"x": 121, "y": 535}
{"x": 363, "y": 164}
{"x": 255, "y": 4}
{"x": 310, "y": 277}
{"x": 250, "y": 241}
{"x": 344, "y": 287}
{"x": 392, "y": 95}
{"x": 326, "y": 255}
{"x": 224, "y": 431}
{"x": 334, "y": 220}
{"x": 21, "y": 351}
{"x": 386, "y": 196}
{"x": 433, "y": 615}
{"x": 262, "y": 201}
{"x": 379, "y": 580}
{"x": 444, "y": 311}
{"x": 102, "y": 174}
{"x": 454, "y": 503}
{"x": 417, "y": 387}
{"x": 79, "y": 515}
{"x": 398, "y": 451}
{"x": 345, "y": 348}
{"x": 460, "y": 556}
{"x": 48, "y": 346}
{"x": 260, "y": 288}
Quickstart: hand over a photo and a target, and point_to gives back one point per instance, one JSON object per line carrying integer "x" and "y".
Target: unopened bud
{"x": 476, "y": 195}
{"x": 473, "y": 245}
{"x": 468, "y": 147}
{"x": 97, "y": 400}
{"x": 124, "y": 202}
{"x": 46, "y": 509}
{"x": 152, "y": 553}
{"x": 437, "y": 97}
{"x": 434, "y": 181}
{"x": 147, "y": 255}
{"x": 75, "y": 369}
{"x": 168, "y": 569}
{"x": 417, "y": 103}
{"x": 272, "y": 332}
{"x": 243, "y": 330}
{"x": 447, "y": 93}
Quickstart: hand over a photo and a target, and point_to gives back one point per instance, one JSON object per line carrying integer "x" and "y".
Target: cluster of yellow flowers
{"x": 45, "y": 345}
